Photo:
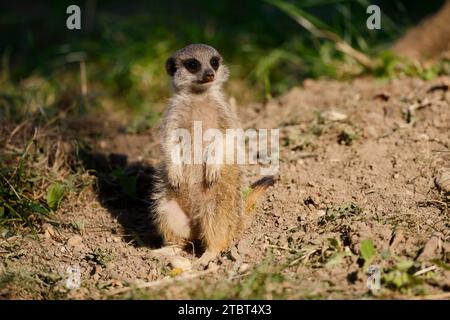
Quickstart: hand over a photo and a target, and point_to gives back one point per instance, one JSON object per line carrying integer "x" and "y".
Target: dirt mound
{"x": 429, "y": 40}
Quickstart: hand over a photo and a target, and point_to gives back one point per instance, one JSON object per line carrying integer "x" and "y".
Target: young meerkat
{"x": 199, "y": 201}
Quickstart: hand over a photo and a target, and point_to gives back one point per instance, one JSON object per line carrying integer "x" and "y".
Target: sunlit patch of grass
{"x": 265, "y": 281}
{"x": 39, "y": 166}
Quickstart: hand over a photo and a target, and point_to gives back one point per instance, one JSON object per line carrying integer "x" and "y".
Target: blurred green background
{"x": 124, "y": 45}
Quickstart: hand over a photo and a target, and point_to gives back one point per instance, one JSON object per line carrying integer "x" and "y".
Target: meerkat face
{"x": 196, "y": 68}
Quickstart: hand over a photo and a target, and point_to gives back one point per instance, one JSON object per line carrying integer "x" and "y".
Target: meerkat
{"x": 199, "y": 201}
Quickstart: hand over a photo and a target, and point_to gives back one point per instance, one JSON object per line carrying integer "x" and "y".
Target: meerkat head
{"x": 196, "y": 68}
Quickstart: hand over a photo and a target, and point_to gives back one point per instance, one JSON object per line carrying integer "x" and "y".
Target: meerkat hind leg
{"x": 219, "y": 226}
{"x": 173, "y": 223}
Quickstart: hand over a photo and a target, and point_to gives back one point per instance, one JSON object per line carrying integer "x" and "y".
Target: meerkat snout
{"x": 208, "y": 76}
{"x": 196, "y": 69}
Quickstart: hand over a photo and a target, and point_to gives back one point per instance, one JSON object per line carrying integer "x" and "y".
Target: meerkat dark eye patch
{"x": 171, "y": 66}
{"x": 192, "y": 65}
{"x": 215, "y": 62}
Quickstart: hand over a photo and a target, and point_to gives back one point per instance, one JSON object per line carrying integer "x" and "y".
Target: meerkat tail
{"x": 258, "y": 189}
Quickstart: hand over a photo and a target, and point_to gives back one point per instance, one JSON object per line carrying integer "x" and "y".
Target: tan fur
{"x": 210, "y": 196}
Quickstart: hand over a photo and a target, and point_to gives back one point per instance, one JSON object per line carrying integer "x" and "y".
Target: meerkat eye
{"x": 214, "y": 62}
{"x": 192, "y": 65}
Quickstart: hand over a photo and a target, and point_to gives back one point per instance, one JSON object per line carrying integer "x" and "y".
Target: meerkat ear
{"x": 171, "y": 67}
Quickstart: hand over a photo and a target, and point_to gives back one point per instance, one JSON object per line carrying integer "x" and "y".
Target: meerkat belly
{"x": 202, "y": 118}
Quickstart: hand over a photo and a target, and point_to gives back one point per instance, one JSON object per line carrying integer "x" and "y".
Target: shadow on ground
{"x": 125, "y": 189}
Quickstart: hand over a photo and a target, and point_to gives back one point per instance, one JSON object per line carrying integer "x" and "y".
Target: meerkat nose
{"x": 208, "y": 75}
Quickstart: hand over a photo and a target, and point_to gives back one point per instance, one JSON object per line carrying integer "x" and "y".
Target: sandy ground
{"x": 358, "y": 162}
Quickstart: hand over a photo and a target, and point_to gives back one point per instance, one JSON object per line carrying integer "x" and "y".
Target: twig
{"x": 440, "y": 151}
{"x": 18, "y": 128}
{"x": 341, "y": 45}
{"x": 418, "y": 273}
{"x": 165, "y": 281}
{"x": 305, "y": 155}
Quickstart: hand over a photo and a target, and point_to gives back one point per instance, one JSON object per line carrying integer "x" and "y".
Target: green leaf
{"x": 334, "y": 243}
{"x": 55, "y": 193}
{"x": 404, "y": 265}
{"x": 367, "y": 251}
{"x": 38, "y": 208}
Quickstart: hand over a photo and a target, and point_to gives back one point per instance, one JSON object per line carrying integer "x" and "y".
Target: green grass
{"x": 39, "y": 168}
{"x": 263, "y": 282}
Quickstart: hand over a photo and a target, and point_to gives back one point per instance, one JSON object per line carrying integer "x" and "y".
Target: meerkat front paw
{"x": 175, "y": 175}
{"x": 212, "y": 174}
{"x": 204, "y": 260}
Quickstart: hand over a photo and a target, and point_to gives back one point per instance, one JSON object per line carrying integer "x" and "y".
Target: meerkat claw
{"x": 174, "y": 178}
{"x": 212, "y": 174}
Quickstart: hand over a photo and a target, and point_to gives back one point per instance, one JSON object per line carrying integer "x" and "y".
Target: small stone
{"x": 75, "y": 241}
{"x": 423, "y": 137}
{"x": 334, "y": 116}
{"x": 234, "y": 254}
{"x": 430, "y": 250}
{"x": 320, "y": 213}
{"x": 398, "y": 237}
{"x": 371, "y": 132}
{"x": 443, "y": 180}
{"x": 213, "y": 266}
{"x": 166, "y": 251}
{"x": 114, "y": 274}
{"x": 244, "y": 247}
{"x": 50, "y": 232}
{"x": 182, "y": 263}
{"x": 243, "y": 267}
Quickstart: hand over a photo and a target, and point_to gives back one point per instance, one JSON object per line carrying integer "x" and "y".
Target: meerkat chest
{"x": 206, "y": 114}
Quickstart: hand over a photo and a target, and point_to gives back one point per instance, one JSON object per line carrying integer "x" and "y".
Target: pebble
{"x": 243, "y": 267}
{"x": 431, "y": 249}
{"x": 180, "y": 263}
{"x": 443, "y": 180}
{"x": 244, "y": 247}
{"x": 75, "y": 241}
{"x": 234, "y": 254}
{"x": 334, "y": 116}
{"x": 320, "y": 213}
